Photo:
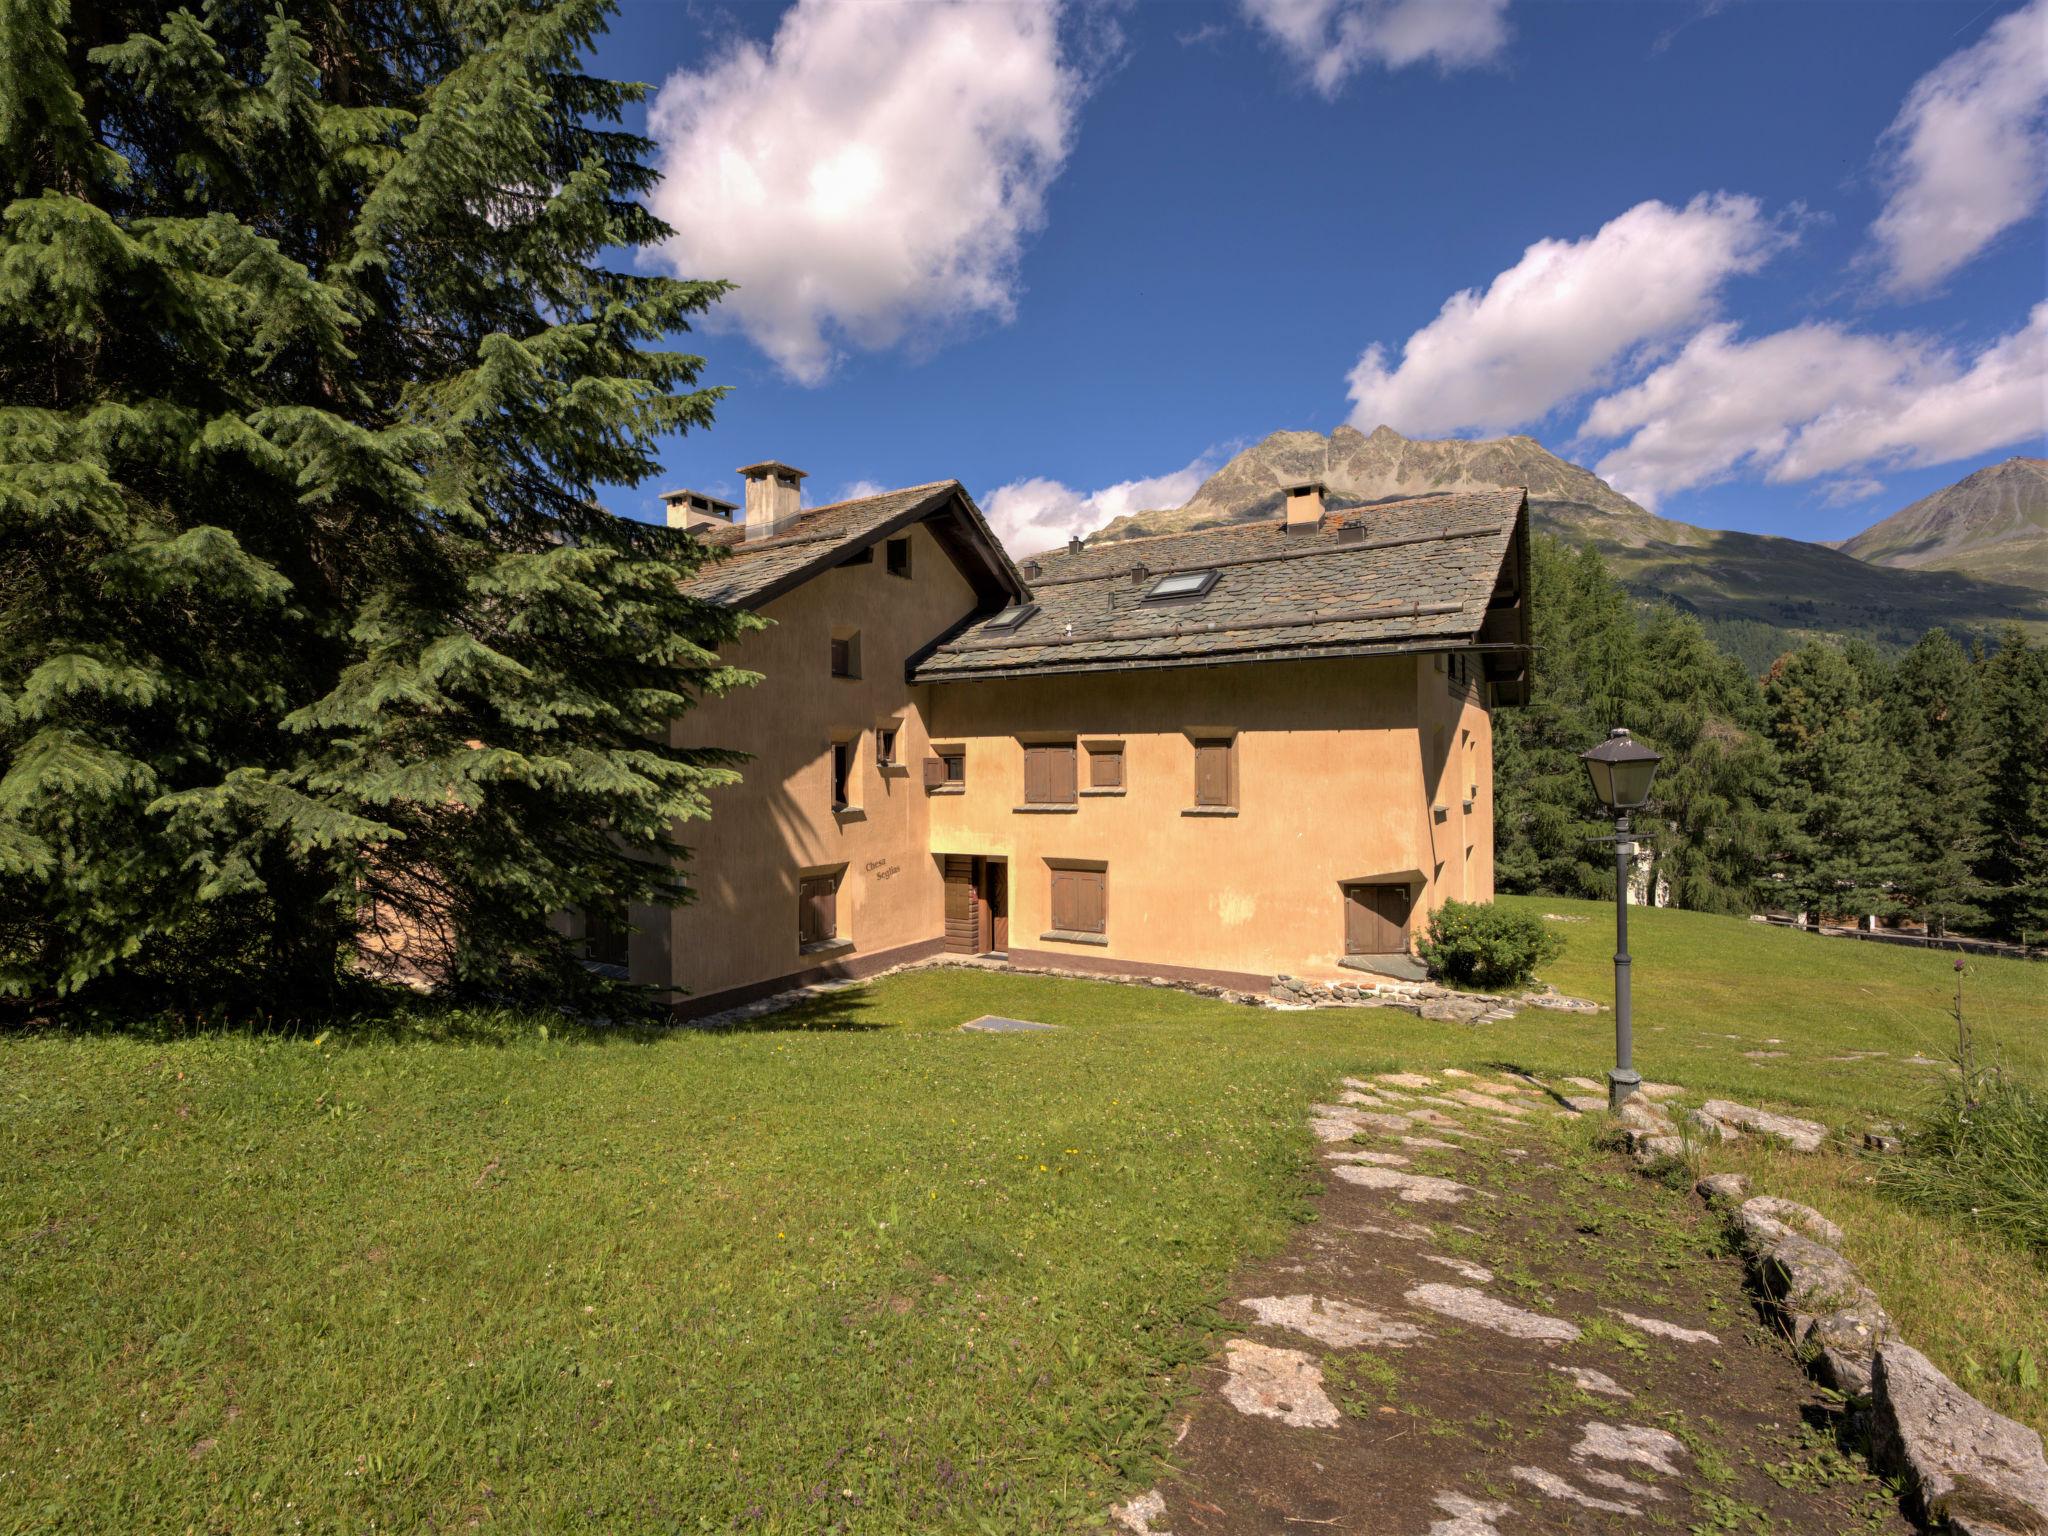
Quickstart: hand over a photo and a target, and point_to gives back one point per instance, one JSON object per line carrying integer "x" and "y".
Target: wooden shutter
{"x": 1106, "y": 768}
{"x": 934, "y": 772}
{"x": 1049, "y": 774}
{"x": 1080, "y": 900}
{"x": 1375, "y": 919}
{"x": 1212, "y": 773}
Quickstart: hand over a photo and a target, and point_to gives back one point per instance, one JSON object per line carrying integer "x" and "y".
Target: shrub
{"x": 1982, "y": 1155}
{"x": 1479, "y": 944}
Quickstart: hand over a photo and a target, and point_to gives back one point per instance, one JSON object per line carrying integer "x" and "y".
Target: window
{"x": 604, "y": 941}
{"x": 1049, "y": 773}
{"x": 1376, "y": 919}
{"x": 1011, "y": 618}
{"x": 885, "y": 746}
{"x": 1181, "y": 584}
{"x": 1080, "y": 899}
{"x": 899, "y": 557}
{"x": 1105, "y": 765}
{"x": 1215, "y": 772}
{"x": 846, "y": 653}
{"x": 842, "y": 774}
{"x": 946, "y": 768}
{"x": 817, "y": 910}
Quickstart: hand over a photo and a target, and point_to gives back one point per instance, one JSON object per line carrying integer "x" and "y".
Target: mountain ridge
{"x": 1759, "y": 593}
{"x": 1990, "y": 523}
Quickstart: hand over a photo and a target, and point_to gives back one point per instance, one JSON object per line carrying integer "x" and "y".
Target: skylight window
{"x": 1181, "y": 584}
{"x": 1011, "y": 618}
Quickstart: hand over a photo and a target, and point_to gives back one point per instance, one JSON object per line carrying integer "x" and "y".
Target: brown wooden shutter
{"x": 1094, "y": 900}
{"x": 1061, "y": 764}
{"x": 1376, "y": 919}
{"x": 1212, "y": 773}
{"x": 1034, "y": 775}
{"x": 934, "y": 772}
{"x": 1065, "y": 908}
{"x": 1106, "y": 769}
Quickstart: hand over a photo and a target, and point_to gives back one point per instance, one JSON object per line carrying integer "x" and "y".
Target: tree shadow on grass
{"x": 837, "y": 1011}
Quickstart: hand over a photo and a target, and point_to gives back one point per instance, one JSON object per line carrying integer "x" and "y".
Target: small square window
{"x": 1106, "y": 767}
{"x": 817, "y": 910}
{"x": 1181, "y": 584}
{"x": 1011, "y": 618}
{"x": 946, "y": 768}
{"x": 899, "y": 557}
{"x": 846, "y": 654}
{"x": 885, "y": 746}
{"x": 1049, "y": 773}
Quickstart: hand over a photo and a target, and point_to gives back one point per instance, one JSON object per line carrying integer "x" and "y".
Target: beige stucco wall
{"x": 1338, "y": 767}
{"x": 778, "y": 825}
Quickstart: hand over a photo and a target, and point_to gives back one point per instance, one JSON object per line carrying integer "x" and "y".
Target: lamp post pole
{"x": 1624, "y": 1080}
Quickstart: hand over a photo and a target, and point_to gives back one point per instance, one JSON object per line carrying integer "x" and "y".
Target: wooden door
{"x": 1376, "y": 919}
{"x": 995, "y": 896}
{"x": 963, "y": 925}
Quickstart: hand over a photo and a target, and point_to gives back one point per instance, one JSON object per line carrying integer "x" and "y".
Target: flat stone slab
{"x": 1800, "y": 1135}
{"x": 1415, "y": 1188}
{"x": 1766, "y": 1218}
{"x": 996, "y": 1024}
{"x": 1637, "y": 1443}
{"x": 1283, "y": 1384}
{"x": 1977, "y": 1469}
{"x": 1722, "y": 1188}
{"x": 1330, "y": 1321}
{"x": 1586, "y": 1379}
{"x": 1405, "y": 1080}
{"x": 1377, "y": 1159}
{"x": 1550, "y": 1485}
{"x": 1141, "y": 1515}
{"x": 1478, "y": 1274}
{"x": 1664, "y": 1330}
{"x": 1470, "y": 1306}
{"x": 1467, "y": 1516}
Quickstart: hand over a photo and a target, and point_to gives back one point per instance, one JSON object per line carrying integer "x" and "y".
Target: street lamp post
{"x": 1621, "y": 769}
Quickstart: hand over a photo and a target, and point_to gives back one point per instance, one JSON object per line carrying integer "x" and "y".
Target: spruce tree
{"x": 1845, "y": 851}
{"x": 2013, "y": 868}
{"x": 313, "y": 351}
{"x": 1934, "y": 718}
{"x": 1718, "y": 825}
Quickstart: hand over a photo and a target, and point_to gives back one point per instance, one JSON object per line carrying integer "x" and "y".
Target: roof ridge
{"x": 1253, "y": 525}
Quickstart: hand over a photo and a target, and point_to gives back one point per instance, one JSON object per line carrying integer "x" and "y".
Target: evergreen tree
{"x": 1845, "y": 850}
{"x": 1543, "y": 807}
{"x": 1717, "y": 788}
{"x": 1934, "y": 718}
{"x": 2013, "y": 868}
{"x": 310, "y": 362}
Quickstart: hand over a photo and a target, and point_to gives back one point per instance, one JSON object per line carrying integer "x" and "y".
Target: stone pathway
{"x": 1496, "y": 1326}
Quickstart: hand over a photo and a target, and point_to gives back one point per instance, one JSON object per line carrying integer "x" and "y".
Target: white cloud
{"x": 1337, "y": 38}
{"x": 1037, "y": 514}
{"x": 854, "y": 490}
{"x": 870, "y": 174}
{"x": 1849, "y": 491}
{"x": 1819, "y": 400}
{"x": 1967, "y": 156}
{"x": 1558, "y": 321}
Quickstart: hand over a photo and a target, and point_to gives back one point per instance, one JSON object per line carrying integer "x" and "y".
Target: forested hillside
{"x": 1839, "y": 782}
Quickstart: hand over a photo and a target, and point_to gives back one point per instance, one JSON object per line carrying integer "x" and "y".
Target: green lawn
{"x": 870, "y": 1270}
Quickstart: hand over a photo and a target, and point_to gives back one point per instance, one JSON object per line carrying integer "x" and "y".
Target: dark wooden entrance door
{"x": 1376, "y": 919}
{"x": 995, "y": 905}
{"x": 977, "y": 904}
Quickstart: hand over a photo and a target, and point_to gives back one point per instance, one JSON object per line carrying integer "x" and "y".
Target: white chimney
{"x": 694, "y": 509}
{"x": 774, "y": 493}
{"x": 1305, "y": 506}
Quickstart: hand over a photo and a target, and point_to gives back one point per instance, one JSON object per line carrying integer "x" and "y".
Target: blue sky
{"x": 1773, "y": 266}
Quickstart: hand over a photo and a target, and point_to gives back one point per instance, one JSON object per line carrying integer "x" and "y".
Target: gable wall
{"x": 767, "y": 832}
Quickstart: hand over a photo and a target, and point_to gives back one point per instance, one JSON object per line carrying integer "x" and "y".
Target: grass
{"x": 855, "y": 1269}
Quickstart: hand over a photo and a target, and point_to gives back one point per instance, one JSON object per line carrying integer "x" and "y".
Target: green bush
{"x": 1982, "y": 1155}
{"x": 1477, "y": 944}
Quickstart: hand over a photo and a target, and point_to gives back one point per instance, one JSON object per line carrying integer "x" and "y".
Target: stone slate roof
{"x": 1415, "y": 574}
{"x": 820, "y": 537}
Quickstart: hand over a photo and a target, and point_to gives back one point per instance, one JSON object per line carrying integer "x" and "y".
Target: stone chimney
{"x": 774, "y": 493}
{"x": 694, "y": 509}
{"x": 1305, "y": 505}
